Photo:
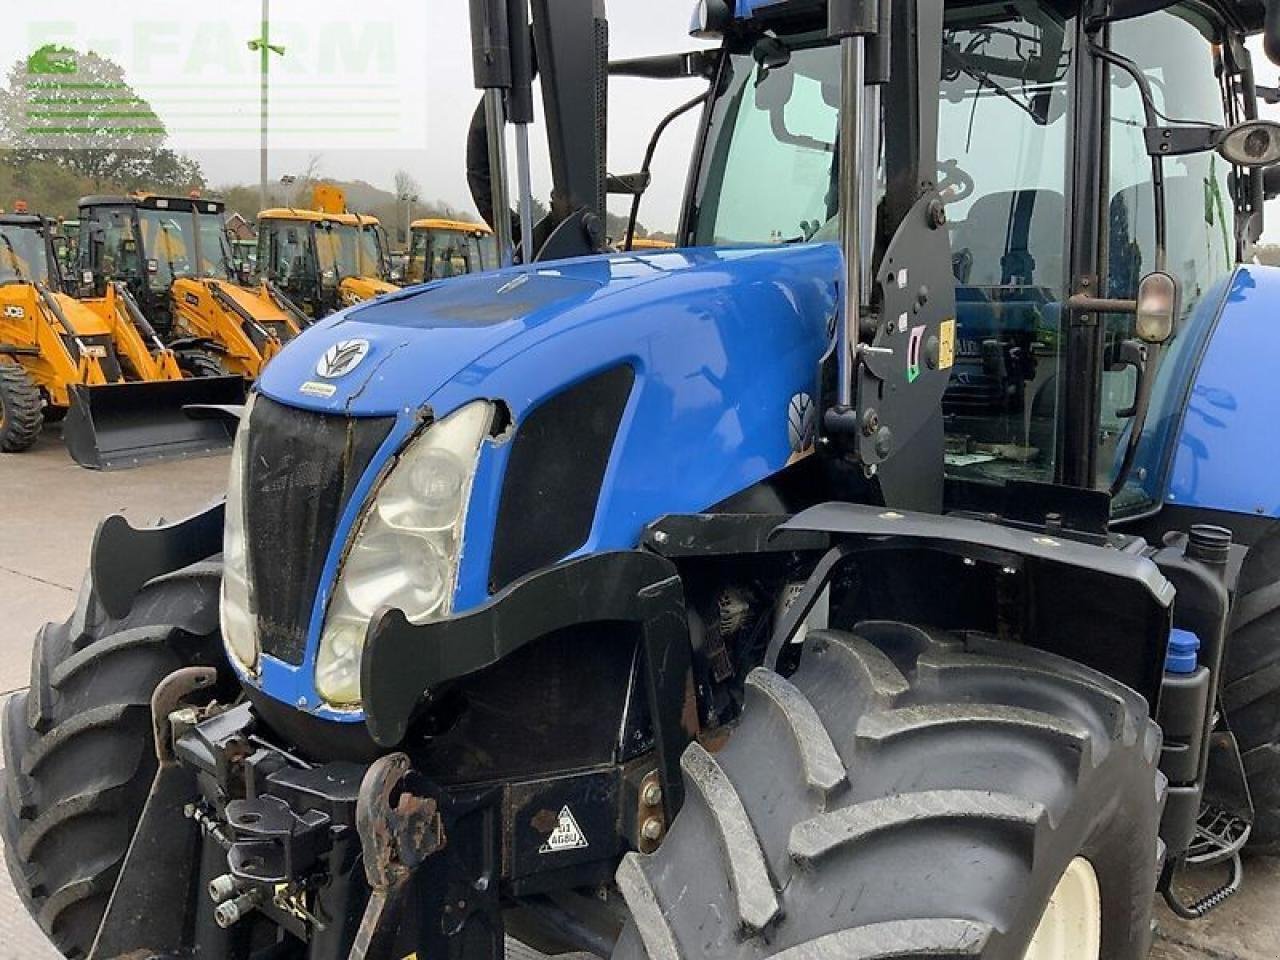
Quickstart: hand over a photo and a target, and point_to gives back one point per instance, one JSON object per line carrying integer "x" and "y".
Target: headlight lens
{"x": 405, "y": 552}
{"x": 239, "y": 623}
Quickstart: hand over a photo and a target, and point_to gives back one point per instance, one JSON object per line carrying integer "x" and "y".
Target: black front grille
{"x": 300, "y": 470}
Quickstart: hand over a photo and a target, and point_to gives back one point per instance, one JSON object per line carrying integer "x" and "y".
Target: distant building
{"x": 240, "y": 228}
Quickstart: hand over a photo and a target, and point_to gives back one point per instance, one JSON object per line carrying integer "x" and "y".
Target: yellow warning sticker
{"x": 947, "y": 345}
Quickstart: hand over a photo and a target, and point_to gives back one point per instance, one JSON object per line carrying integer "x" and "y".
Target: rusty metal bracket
{"x": 399, "y": 829}
{"x": 168, "y": 697}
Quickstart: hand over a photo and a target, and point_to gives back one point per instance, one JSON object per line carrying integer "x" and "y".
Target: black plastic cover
{"x": 553, "y": 478}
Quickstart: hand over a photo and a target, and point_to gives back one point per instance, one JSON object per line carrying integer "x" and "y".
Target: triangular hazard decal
{"x": 566, "y": 836}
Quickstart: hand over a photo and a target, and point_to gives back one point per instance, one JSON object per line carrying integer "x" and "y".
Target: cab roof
{"x": 21, "y": 220}
{"x": 315, "y": 216}
{"x": 461, "y": 226}
{"x": 150, "y": 201}
{"x": 1248, "y": 15}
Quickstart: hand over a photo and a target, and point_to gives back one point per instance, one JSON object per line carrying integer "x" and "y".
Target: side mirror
{"x": 1159, "y": 300}
{"x": 711, "y": 18}
{"x": 1254, "y": 143}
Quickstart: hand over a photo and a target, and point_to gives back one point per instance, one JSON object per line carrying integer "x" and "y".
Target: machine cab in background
{"x": 1046, "y": 178}
{"x": 447, "y": 248}
{"x": 323, "y": 261}
{"x": 149, "y": 242}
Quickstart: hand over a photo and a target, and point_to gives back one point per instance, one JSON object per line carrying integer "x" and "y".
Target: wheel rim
{"x": 1071, "y": 927}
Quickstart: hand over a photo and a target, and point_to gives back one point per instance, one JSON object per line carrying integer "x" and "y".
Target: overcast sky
{"x": 370, "y": 87}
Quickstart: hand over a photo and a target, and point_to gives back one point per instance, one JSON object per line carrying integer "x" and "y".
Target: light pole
{"x": 265, "y": 47}
{"x": 409, "y": 200}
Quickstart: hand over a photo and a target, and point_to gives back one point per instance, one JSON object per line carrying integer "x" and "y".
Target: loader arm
{"x": 249, "y": 336}
{"x": 35, "y": 334}
{"x": 130, "y": 345}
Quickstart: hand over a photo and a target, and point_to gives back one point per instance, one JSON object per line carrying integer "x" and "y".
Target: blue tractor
{"x": 889, "y": 571}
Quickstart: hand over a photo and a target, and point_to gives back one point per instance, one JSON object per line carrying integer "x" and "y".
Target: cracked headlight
{"x": 239, "y": 622}
{"x": 405, "y": 551}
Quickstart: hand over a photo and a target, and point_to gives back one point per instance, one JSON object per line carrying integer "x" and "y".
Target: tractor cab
{"x": 149, "y": 242}
{"x": 1021, "y": 127}
{"x": 446, "y": 248}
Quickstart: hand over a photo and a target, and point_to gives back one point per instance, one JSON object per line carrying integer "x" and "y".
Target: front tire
{"x": 20, "y": 413}
{"x": 201, "y": 363}
{"x": 910, "y": 794}
{"x": 79, "y": 756}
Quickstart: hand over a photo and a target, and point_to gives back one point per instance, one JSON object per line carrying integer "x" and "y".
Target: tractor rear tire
{"x": 911, "y": 794}
{"x": 79, "y": 754}
{"x": 1251, "y": 696}
{"x": 20, "y": 413}
{"x": 201, "y": 363}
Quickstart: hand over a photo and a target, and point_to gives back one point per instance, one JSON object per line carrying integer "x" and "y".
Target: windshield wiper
{"x": 984, "y": 79}
{"x": 168, "y": 252}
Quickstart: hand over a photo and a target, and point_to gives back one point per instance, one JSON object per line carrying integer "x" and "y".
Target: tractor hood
{"x": 637, "y": 386}
{"x": 517, "y": 335}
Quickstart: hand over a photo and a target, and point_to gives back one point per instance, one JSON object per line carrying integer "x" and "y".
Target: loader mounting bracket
{"x": 638, "y": 592}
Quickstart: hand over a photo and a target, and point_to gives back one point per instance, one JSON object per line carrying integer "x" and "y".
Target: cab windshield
{"x": 373, "y": 259}
{"x": 1177, "y": 52}
{"x": 287, "y": 253}
{"x": 214, "y": 247}
{"x": 23, "y": 254}
{"x": 435, "y": 254}
{"x": 346, "y": 250}
{"x": 169, "y": 239}
{"x": 771, "y": 177}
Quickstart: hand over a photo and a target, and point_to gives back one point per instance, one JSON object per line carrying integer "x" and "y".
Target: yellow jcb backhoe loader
{"x": 447, "y": 248}
{"x": 323, "y": 259}
{"x": 173, "y": 255}
{"x": 95, "y": 364}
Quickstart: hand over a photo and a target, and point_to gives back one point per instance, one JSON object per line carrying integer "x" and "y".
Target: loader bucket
{"x": 127, "y": 424}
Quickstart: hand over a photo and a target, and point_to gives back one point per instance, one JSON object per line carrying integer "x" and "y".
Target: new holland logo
{"x": 342, "y": 358}
{"x": 15, "y": 313}
{"x": 566, "y": 836}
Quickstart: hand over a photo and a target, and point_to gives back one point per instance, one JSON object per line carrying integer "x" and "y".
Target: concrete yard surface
{"x": 52, "y": 508}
